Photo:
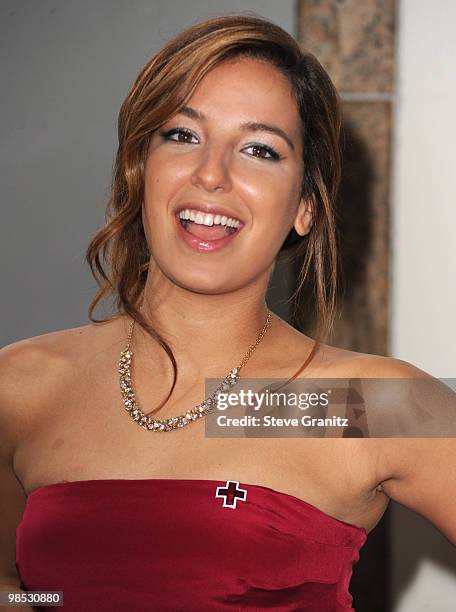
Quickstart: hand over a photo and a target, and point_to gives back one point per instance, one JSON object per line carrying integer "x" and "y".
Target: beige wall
{"x": 423, "y": 329}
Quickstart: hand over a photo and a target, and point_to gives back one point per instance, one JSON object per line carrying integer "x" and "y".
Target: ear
{"x": 305, "y": 216}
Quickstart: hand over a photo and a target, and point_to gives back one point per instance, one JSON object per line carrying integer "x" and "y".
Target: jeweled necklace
{"x": 169, "y": 423}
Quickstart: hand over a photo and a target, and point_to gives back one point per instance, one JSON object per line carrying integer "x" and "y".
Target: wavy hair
{"x": 118, "y": 255}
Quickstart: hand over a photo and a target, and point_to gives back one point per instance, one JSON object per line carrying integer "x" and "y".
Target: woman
{"x": 228, "y": 156}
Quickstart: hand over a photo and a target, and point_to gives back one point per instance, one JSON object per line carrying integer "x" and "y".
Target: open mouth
{"x": 207, "y": 232}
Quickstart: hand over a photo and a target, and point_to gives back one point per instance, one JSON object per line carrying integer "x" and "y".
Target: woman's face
{"x": 212, "y": 156}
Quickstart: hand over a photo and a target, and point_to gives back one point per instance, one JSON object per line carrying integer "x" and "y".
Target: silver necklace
{"x": 169, "y": 423}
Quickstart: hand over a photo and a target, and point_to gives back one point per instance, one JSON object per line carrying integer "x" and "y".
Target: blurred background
{"x": 66, "y": 67}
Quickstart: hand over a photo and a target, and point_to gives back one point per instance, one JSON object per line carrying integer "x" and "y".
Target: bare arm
{"x": 12, "y": 496}
{"x": 418, "y": 472}
{"x": 12, "y": 502}
{"x": 423, "y": 478}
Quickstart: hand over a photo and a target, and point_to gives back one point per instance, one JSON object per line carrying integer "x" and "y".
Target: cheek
{"x": 163, "y": 174}
{"x": 162, "y": 180}
{"x": 272, "y": 198}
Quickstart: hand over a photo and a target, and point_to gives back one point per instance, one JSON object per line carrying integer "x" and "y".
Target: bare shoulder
{"x": 377, "y": 366}
{"x": 35, "y": 369}
{"x": 344, "y": 362}
{"x": 33, "y": 372}
{"x": 419, "y": 470}
{"x": 292, "y": 347}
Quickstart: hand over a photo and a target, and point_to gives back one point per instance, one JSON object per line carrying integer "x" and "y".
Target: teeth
{"x": 208, "y": 219}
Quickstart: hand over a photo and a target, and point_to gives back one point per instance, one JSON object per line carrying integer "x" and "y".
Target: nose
{"x": 212, "y": 170}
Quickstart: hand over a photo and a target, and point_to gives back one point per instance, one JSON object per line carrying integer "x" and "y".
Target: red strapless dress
{"x": 194, "y": 545}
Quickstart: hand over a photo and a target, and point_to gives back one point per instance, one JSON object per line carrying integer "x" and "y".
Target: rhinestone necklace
{"x": 169, "y": 423}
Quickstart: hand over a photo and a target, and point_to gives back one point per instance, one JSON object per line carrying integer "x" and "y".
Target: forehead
{"x": 244, "y": 89}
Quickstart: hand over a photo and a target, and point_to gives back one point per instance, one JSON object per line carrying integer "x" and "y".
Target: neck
{"x": 208, "y": 333}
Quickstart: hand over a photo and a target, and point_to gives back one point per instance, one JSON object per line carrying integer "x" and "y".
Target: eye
{"x": 184, "y": 135}
{"x": 273, "y": 155}
{"x": 179, "y": 132}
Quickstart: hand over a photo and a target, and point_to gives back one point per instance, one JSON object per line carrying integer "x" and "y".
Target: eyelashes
{"x": 179, "y": 131}
{"x": 273, "y": 154}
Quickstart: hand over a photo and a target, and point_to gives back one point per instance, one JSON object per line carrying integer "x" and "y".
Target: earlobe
{"x": 305, "y": 216}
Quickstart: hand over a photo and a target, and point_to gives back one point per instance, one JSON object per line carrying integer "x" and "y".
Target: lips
{"x": 204, "y": 244}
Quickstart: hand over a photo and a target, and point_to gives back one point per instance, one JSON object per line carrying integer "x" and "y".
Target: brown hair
{"x": 162, "y": 87}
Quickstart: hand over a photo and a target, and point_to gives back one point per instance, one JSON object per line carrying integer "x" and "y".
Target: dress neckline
{"x": 92, "y": 481}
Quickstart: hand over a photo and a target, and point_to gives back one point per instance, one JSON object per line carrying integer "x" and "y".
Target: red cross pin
{"x": 231, "y": 491}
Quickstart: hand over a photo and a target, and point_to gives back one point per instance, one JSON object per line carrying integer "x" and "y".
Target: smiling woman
{"x": 233, "y": 121}
{"x": 226, "y": 170}
{"x": 228, "y": 155}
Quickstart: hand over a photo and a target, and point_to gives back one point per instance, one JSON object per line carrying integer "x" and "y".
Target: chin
{"x": 208, "y": 284}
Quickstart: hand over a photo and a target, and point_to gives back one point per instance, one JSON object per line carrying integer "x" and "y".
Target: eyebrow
{"x": 249, "y": 126}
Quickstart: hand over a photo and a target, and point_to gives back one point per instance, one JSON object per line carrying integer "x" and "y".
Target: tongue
{"x": 207, "y": 232}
